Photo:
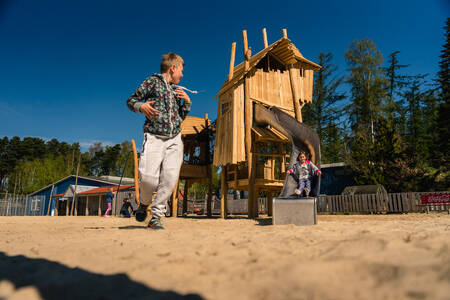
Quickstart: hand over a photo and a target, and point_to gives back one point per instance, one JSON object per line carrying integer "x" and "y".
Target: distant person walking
{"x": 109, "y": 200}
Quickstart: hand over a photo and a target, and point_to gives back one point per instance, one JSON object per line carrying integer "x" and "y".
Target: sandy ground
{"x": 343, "y": 257}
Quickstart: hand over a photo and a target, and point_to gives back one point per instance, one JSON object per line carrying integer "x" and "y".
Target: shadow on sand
{"x": 57, "y": 281}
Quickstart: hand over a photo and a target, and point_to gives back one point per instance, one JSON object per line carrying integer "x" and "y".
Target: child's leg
{"x": 170, "y": 171}
{"x": 108, "y": 210}
{"x": 301, "y": 185}
{"x": 152, "y": 156}
{"x": 307, "y": 186}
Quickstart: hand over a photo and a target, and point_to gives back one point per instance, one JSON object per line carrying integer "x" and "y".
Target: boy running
{"x": 160, "y": 100}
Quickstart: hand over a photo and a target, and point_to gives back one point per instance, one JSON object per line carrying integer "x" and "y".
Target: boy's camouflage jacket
{"x": 171, "y": 111}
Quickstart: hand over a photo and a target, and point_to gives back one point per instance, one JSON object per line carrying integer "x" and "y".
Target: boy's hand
{"x": 182, "y": 94}
{"x": 148, "y": 110}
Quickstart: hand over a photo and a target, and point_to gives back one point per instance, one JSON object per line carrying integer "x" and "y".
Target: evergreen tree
{"x": 442, "y": 153}
{"x": 367, "y": 83}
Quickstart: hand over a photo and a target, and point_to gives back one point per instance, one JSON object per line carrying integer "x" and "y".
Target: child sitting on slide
{"x": 304, "y": 169}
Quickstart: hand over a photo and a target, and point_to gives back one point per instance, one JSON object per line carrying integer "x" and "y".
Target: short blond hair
{"x": 169, "y": 60}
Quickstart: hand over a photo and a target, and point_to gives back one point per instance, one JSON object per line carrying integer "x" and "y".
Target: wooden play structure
{"x": 253, "y": 157}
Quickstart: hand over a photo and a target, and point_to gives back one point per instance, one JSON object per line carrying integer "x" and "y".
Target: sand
{"x": 343, "y": 257}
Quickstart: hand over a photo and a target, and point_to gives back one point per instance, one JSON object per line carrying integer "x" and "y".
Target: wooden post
{"x": 185, "y": 196}
{"x": 209, "y": 166}
{"x": 99, "y": 205}
{"x": 223, "y": 193}
{"x": 248, "y": 110}
{"x": 56, "y": 207}
{"x": 298, "y": 113}
{"x": 284, "y": 33}
{"x": 74, "y": 202}
{"x": 266, "y": 44}
{"x": 233, "y": 52}
{"x": 50, "y": 201}
{"x": 67, "y": 206}
{"x": 175, "y": 201}
{"x": 87, "y": 206}
{"x": 269, "y": 203}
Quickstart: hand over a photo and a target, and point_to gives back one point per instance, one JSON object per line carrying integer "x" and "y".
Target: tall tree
{"x": 443, "y": 145}
{"x": 367, "y": 82}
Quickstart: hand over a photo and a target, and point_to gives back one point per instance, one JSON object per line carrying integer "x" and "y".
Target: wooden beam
{"x": 175, "y": 201}
{"x": 223, "y": 193}
{"x": 50, "y": 201}
{"x": 87, "y": 206}
{"x": 269, "y": 203}
{"x": 99, "y": 205}
{"x": 248, "y": 111}
{"x": 185, "y": 196}
{"x": 284, "y": 33}
{"x": 266, "y": 44}
{"x": 233, "y": 52}
{"x": 295, "y": 96}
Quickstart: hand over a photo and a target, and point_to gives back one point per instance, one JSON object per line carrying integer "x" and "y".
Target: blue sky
{"x": 67, "y": 67}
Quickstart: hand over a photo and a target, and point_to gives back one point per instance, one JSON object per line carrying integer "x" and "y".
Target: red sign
{"x": 435, "y": 198}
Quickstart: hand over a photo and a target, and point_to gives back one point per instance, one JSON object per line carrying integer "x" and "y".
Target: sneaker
{"x": 156, "y": 224}
{"x": 298, "y": 192}
{"x": 141, "y": 213}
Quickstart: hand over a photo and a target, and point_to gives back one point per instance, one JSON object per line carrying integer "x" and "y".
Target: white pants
{"x": 159, "y": 169}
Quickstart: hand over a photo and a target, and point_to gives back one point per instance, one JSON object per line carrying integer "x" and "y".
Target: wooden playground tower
{"x": 252, "y": 157}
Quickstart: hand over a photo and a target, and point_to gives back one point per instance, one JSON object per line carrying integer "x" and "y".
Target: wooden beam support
{"x": 266, "y": 44}
{"x": 223, "y": 193}
{"x": 284, "y": 33}
{"x": 87, "y": 206}
{"x": 248, "y": 110}
{"x": 175, "y": 201}
{"x": 269, "y": 203}
{"x": 233, "y": 53}
{"x": 185, "y": 196}
{"x": 295, "y": 96}
{"x": 99, "y": 205}
{"x": 50, "y": 201}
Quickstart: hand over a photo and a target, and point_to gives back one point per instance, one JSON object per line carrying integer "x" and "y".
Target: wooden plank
{"x": 394, "y": 203}
{"x": 269, "y": 204}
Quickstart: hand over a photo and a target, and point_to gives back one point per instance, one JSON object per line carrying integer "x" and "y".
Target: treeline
{"x": 32, "y": 163}
{"x": 391, "y": 127}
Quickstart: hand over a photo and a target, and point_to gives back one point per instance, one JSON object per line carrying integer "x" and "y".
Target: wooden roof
{"x": 268, "y": 135}
{"x": 283, "y": 50}
{"x": 193, "y": 125}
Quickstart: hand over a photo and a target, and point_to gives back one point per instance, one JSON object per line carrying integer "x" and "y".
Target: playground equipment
{"x": 259, "y": 113}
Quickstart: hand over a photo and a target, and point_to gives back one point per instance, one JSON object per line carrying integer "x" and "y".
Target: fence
{"x": 376, "y": 203}
{"x": 22, "y": 205}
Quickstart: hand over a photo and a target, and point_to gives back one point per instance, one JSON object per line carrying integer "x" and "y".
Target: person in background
{"x": 109, "y": 200}
{"x": 125, "y": 206}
